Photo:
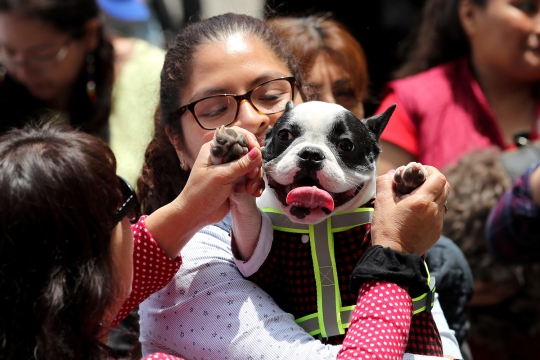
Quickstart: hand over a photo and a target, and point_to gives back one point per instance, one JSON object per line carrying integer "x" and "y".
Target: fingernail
{"x": 390, "y": 171}
{"x": 252, "y": 153}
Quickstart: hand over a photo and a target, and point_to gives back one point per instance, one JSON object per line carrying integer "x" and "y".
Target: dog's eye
{"x": 346, "y": 145}
{"x": 284, "y": 135}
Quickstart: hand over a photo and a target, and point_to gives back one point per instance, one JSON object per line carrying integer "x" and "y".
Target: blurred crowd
{"x": 465, "y": 77}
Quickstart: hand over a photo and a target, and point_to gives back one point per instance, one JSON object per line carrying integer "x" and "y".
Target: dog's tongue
{"x": 310, "y": 197}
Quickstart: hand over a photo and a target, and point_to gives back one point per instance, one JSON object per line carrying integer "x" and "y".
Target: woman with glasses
{"x": 56, "y": 57}
{"x": 75, "y": 254}
{"x": 234, "y": 70}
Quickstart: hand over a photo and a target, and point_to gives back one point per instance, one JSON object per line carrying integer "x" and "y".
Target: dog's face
{"x": 320, "y": 159}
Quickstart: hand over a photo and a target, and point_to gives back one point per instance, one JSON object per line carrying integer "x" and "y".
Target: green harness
{"x": 332, "y": 318}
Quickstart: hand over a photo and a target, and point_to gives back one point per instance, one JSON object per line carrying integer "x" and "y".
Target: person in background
{"x": 513, "y": 228}
{"x": 461, "y": 88}
{"x": 72, "y": 266}
{"x": 219, "y": 71}
{"x": 132, "y": 18}
{"x": 56, "y": 59}
{"x": 335, "y": 68}
{"x": 331, "y": 59}
{"x": 504, "y": 312}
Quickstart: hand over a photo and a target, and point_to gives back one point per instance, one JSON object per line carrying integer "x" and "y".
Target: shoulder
{"x": 148, "y": 51}
{"x": 430, "y": 80}
{"x": 434, "y": 90}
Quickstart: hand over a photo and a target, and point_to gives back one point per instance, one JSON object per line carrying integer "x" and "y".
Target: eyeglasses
{"x": 268, "y": 98}
{"x": 36, "y": 61}
{"x": 130, "y": 208}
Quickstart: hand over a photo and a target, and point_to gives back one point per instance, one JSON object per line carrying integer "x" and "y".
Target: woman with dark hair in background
{"x": 72, "y": 266}
{"x": 470, "y": 82}
{"x": 56, "y": 58}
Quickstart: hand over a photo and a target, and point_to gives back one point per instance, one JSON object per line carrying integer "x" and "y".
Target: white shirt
{"x": 210, "y": 311}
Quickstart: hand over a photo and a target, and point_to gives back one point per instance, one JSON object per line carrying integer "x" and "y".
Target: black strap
{"x": 380, "y": 263}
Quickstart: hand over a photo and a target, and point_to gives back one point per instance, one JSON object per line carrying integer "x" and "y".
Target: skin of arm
{"x": 391, "y": 157}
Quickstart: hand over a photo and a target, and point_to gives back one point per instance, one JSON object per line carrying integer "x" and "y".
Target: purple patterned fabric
{"x": 513, "y": 226}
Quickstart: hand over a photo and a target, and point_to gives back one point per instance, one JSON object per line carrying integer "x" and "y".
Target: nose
{"x": 312, "y": 155}
{"x": 22, "y": 72}
{"x": 250, "y": 119}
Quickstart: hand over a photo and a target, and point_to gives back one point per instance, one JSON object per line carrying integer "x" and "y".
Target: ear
{"x": 91, "y": 34}
{"x": 377, "y": 123}
{"x": 467, "y": 12}
{"x": 289, "y": 106}
{"x": 175, "y": 141}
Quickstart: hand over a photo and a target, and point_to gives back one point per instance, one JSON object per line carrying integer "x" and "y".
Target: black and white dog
{"x": 319, "y": 162}
{"x": 320, "y": 159}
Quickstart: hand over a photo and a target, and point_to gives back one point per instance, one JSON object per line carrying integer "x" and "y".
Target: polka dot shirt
{"x": 152, "y": 269}
{"x": 379, "y": 326}
{"x": 380, "y": 323}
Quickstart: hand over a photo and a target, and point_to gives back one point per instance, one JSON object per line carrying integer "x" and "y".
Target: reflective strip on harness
{"x": 425, "y": 301}
{"x": 331, "y": 318}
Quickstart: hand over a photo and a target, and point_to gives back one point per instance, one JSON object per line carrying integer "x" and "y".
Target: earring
{"x": 90, "y": 82}
{"x": 184, "y": 166}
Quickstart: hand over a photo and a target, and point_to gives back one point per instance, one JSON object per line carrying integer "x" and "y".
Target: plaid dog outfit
{"x": 320, "y": 299}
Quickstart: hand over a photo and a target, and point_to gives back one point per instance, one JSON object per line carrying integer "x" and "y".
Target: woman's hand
{"x": 410, "y": 224}
{"x": 205, "y": 198}
{"x": 210, "y": 186}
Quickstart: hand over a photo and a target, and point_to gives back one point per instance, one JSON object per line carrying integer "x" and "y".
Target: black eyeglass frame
{"x": 239, "y": 98}
{"x": 131, "y": 203}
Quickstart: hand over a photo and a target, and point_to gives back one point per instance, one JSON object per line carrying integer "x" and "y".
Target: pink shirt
{"x": 442, "y": 114}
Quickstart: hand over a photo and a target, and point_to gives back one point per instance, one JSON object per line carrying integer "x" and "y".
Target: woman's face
{"x": 505, "y": 37}
{"x": 40, "y": 57}
{"x": 232, "y": 66}
{"x": 332, "y": 84}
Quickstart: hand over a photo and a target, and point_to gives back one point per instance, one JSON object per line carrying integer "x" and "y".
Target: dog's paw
{"x": 227, "y": 146}
{"x": 409, "y": 177}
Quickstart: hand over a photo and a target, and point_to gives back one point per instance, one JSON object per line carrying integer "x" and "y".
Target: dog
{"x": 319, "y": 163}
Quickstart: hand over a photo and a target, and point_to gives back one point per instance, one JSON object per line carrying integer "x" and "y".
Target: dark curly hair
{"x": 59, "y": 195}
{"x": 162, "y": 178}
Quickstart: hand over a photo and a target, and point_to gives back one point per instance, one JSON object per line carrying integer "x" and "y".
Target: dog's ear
{"x": 268, "y": 147}
{"x": 377, "y": 123}
{"x": 289, "y": 106}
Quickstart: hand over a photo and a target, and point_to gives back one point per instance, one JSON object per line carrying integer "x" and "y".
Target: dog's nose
{"x": 312, "y": 154}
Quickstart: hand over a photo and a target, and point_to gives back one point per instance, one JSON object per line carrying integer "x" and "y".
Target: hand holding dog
{"x": 412, "y": 223}
{"x": 206, "y": 195}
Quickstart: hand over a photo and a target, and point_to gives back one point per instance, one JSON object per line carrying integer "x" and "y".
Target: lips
{"x": 308, "y": 194}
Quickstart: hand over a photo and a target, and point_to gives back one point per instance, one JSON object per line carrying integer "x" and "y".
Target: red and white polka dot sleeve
{"x": 152, "y": 269}
{"x": 380, "y": 323}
